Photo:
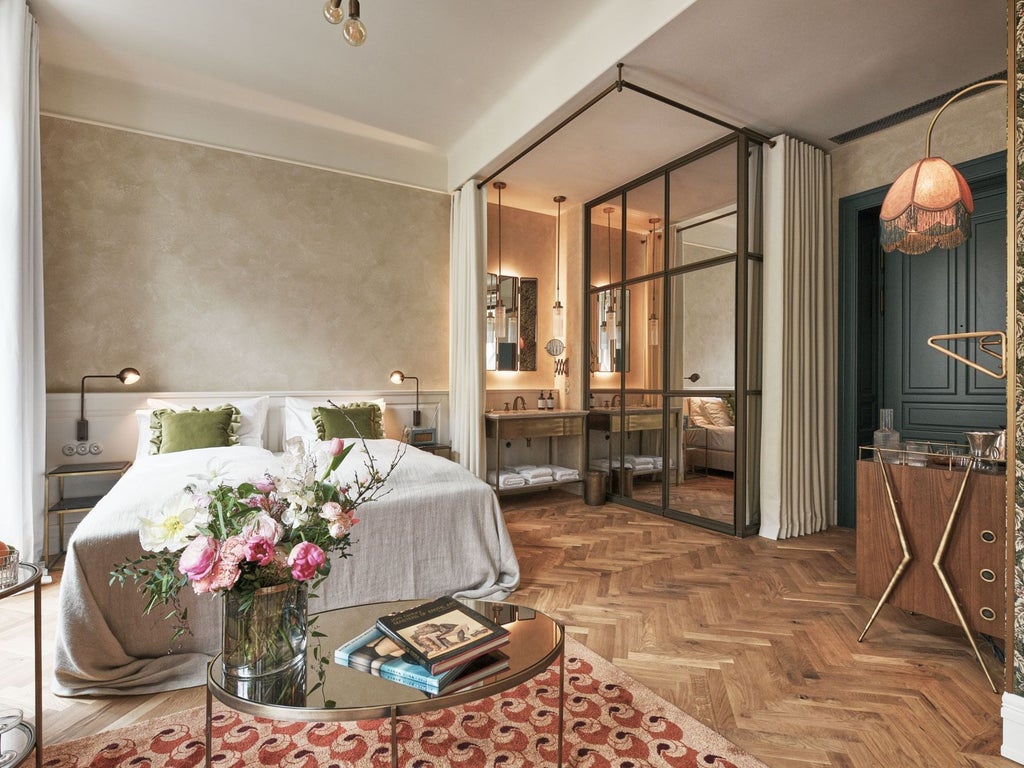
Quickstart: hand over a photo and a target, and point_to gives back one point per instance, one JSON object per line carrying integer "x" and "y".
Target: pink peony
{"x": 264, "y": 525}
{"x": 225, "y": 571}
{"x": 259, "y": 550}
{"x": 199, "y": 557}
{"x": 305, "y": 558}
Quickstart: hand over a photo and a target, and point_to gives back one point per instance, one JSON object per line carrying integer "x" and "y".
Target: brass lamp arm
{"x": 986, "y": 341}
{"x": 954, "y": 97}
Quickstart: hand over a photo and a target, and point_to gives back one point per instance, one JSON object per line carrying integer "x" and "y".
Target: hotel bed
{"x": 717, "y": 428}
{"x": 438, "y": 531}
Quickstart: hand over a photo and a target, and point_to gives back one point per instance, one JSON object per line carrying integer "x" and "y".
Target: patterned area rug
{"x": 611, "y": 721}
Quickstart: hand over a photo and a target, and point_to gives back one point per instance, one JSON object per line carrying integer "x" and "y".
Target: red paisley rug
{"x": 611, "y": 721}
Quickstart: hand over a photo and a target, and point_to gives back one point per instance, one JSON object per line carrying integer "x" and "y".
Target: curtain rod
{"x": 618, "y": 85}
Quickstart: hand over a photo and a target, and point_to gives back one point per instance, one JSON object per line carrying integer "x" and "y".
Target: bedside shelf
{"x": 64, "y": 505}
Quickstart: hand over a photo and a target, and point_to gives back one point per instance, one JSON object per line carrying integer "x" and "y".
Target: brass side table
{"x": 28, "y": 735}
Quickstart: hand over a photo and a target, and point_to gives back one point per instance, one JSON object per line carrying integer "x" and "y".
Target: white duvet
{"x": 438, "y": 531}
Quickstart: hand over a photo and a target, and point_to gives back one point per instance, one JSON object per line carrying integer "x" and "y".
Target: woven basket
{"x": 9, "y": 569}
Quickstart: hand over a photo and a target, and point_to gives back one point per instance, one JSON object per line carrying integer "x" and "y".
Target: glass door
{"x": 672, "y": 329}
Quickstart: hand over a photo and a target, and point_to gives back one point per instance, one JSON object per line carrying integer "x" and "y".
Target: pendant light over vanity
{"x": 558, "y": 311}
{"x": 500, "y": 321}
{"x": 653, "y": 330}
{"x": 610, "y": 314}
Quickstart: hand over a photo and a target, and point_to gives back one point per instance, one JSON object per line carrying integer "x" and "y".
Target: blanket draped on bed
{"x": 439, "y": 530}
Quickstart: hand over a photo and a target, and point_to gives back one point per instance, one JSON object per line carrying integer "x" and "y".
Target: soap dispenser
{"x": 551, "y": 400}
{"x": 541, "y": 401}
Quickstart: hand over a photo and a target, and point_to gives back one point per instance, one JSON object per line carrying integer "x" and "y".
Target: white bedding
{"x": 438, "y": 531}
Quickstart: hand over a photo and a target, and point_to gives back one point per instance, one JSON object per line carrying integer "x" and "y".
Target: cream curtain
{"x": 798, "y": 461}
{"x": 467, "y": 275}
{"x": 22, "y": 378}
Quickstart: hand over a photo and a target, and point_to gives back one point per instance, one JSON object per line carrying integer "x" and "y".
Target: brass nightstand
{"x": 63, "y": 506}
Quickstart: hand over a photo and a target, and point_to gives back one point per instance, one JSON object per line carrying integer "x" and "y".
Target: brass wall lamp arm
{"x": 987, "y": 342}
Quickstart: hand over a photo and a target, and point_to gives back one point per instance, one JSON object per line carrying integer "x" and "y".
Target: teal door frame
{"x": 852, "y": 370}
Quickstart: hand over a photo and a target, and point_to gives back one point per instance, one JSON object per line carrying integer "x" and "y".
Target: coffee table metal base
{"x": 394, "y": 718}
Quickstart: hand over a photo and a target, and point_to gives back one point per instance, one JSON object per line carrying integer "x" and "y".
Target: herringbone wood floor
{"x": 757, "y": 639}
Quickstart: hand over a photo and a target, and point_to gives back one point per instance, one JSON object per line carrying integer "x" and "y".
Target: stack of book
{"x": 437, "y": 647}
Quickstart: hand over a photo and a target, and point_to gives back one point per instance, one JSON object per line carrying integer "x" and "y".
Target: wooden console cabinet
{"x": 974, "y": 562}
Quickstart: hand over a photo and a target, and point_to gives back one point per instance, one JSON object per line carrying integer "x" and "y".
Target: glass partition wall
{"x": 673, "y": 319}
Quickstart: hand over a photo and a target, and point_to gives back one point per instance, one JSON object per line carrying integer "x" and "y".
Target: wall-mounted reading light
{"x": 125, "y": 375}
{"x": 397, "y": 377}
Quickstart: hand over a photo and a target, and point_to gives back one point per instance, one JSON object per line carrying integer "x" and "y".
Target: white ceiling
{"x": 446, "y": 90}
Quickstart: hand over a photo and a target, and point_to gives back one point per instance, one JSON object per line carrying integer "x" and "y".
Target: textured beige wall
{"x": 972, "y": 127}
{"x": 213, "y": 270}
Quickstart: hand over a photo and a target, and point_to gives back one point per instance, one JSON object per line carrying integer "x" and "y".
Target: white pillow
{"x": 253, "y": 411}
{"x": 142, "y": 448}
{"x": 716, "y": 412}
{"x": 298, "y": 414}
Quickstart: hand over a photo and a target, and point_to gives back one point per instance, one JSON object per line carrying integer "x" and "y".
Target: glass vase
{"x": 887, "y": 439}
{"x": 269, "y": 635}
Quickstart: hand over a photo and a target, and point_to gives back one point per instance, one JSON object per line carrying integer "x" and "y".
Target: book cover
{"x": 376, "y": 653}
{"x": 443, "y": 633}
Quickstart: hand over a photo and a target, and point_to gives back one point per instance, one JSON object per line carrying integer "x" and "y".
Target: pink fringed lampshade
{"x": 928, "y": 206}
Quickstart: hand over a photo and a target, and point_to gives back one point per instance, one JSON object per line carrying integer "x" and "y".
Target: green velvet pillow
{"x": 171, "y": 431}
{"x": 349, "y": 421}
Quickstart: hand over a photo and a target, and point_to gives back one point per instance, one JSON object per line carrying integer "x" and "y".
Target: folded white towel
{"x": 536, "y": 473}
{"x": 540, "y": 480}
{"x": 563, "y": 474}
{"x": 637, "y": 461}
{"x": 506, "y": 479}
{"x": 521, "y": 468}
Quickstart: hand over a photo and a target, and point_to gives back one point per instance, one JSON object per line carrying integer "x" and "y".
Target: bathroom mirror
{"x": 513, "y": 346}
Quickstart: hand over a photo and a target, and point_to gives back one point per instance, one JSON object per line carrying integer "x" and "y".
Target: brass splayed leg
{"x": 894, "y": 507}
{"x": 940, "y": 553}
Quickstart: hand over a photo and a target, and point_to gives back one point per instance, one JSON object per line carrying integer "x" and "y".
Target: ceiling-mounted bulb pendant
{"x": 610, "y": 316}
{"x": 558, "y": 311}
{"x": 500, "y": 322}
{"x": 333, "y": 12}
{"x": 353, "y": 30}
{"x": 653, "y": 330}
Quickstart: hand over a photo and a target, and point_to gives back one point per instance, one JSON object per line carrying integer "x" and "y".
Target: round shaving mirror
{"x": 555, "y": 347}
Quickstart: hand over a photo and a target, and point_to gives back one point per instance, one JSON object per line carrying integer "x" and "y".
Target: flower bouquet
{"x": 260, "y": 544}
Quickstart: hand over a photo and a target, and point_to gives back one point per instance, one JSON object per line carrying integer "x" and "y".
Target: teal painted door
{"x": 962, "y": 290}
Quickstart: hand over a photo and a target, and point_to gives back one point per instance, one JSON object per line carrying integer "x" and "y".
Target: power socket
{"x": 95, "y": 449}
{"x": 82, "y": 449}
{"x": 68, "y": 449}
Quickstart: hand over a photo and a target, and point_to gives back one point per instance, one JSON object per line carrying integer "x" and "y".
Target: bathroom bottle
{"x": 541, "y": 402}
{"x": 551, "y": 400}
{"x": 593, "y": 400}
{"x": 887, "y": 438}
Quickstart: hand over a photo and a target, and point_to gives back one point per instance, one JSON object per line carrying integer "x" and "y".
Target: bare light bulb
{"x": 333, "y": 13}
{"x": 353, "y": 30}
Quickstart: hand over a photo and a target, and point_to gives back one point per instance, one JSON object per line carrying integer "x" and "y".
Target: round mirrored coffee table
{"x": 330, "y": 692}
